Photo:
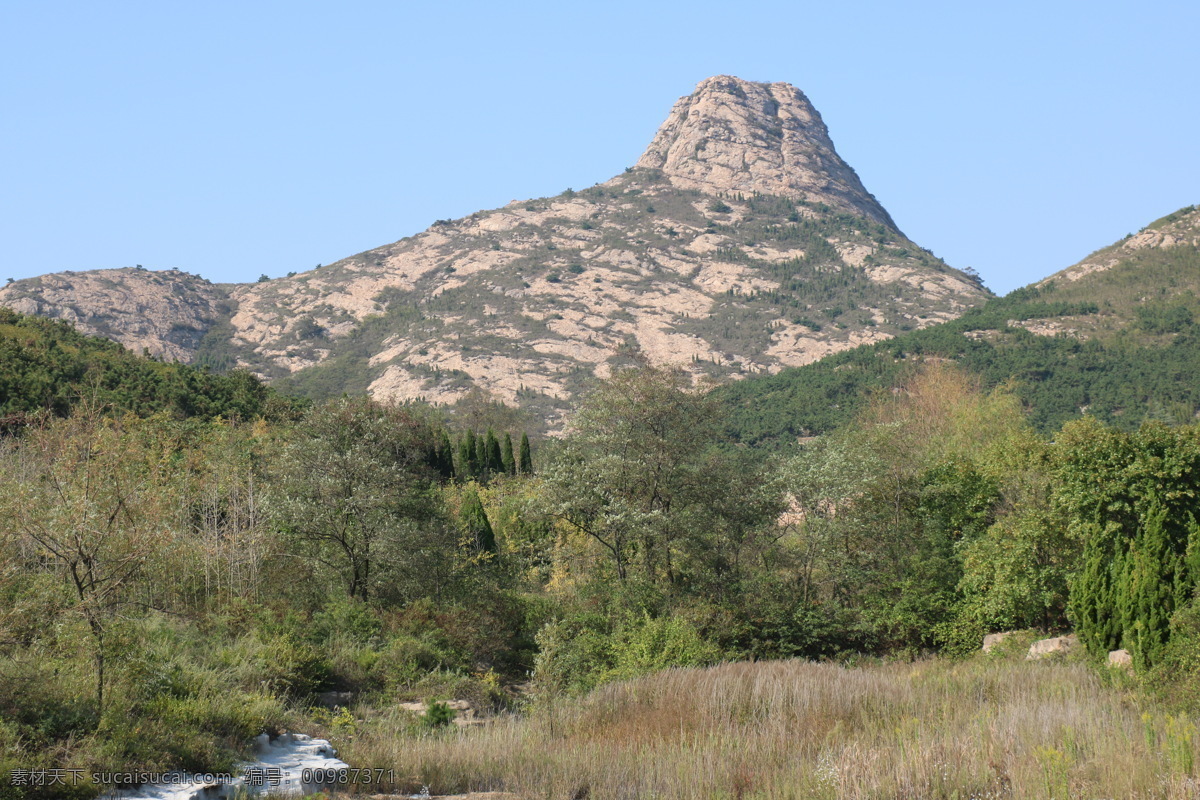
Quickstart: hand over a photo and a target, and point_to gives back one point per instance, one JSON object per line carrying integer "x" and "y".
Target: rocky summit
{"x": 739, "y": 243}
{"x": 734, "y": 136}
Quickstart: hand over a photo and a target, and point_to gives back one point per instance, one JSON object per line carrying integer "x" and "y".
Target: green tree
{"x": 525, "y": 460}
{"x": 1130, "y": 499}
{"x": 495, "y": 457}
{"x": 474, "y": 521}
{"x": 507, "y": 458}
{"x": 354, "y": 491}
{"x": 468, "y": 467}
{"x": 641, "y": 475}
{"x": 95, "y": 499}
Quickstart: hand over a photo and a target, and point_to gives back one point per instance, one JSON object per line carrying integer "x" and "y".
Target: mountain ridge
{"x": 759, "y": 250}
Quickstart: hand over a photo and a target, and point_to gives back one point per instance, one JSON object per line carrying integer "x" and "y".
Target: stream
{"x": 293, "y": 765}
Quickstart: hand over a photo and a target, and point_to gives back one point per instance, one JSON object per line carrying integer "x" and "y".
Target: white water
{"x": 287, "y": 761}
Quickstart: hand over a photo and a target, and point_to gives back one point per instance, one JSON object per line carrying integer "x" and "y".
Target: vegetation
{"x": 50, "y": 367}
{"x": 1120, "y": 380}
{"x": 990, "y": 728}
{"x": 173, "y": 586}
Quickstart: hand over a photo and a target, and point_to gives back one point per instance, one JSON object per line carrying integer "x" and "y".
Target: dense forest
{"x": 189, "y": 560}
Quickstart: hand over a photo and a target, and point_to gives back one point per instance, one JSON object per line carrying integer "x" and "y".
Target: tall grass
{"x": 792, "y": 729}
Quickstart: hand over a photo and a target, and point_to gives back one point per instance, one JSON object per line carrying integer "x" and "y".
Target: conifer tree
{"x": 466, "y": 455}
{"x": 495, "y": 459}
{"x": 475, "y": 522}
{"x": 444, "y": 456}
{"x": 525, "y": 462}
{"x": 481, "y": 456}
{"x": 506, "y": 455}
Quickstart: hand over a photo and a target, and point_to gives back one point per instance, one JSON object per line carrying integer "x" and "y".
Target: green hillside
{"x": 1116, "y": 337}
{"x": 47, "y": 365}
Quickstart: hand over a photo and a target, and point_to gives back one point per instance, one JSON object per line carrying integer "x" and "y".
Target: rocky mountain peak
{"x": 732, "y": 135}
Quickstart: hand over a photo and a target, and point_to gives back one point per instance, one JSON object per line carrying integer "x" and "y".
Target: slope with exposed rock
{"x": 740, "y": 244}
{"x": 1116, "y": 336}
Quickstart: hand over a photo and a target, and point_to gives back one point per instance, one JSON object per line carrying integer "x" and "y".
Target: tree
{"x": 468, "y": 467}
{"x": 525, "y": 460}
{"x": 94, "y": 498}
{"x": 1130, "y": 499}
{"x": 640, "y": 474}
{"x": 495, "y": 457}
{"x": 475, "y": 523}
{"x": 354, "y": 490}
{"x": 507, "y": 458}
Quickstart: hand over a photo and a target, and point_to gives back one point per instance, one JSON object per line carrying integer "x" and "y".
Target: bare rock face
{"x": 165, "y": 313}
{"x": 1057, "y": 646}
{"x": 732, "y": 135}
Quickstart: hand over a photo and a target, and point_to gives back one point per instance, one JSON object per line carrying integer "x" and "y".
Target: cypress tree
{"x": 445, "y": 455}
{"x": 525, "y": 462}
{"x": 470, "y": 466}
{"x": 495, "y": 460}
{"x": 475, "y": 522}
{"x": 481, "y": 455}
{"x": 506, "y": 455}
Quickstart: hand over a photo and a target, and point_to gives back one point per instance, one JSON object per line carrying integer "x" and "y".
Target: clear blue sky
{"x": 234, "y": 139}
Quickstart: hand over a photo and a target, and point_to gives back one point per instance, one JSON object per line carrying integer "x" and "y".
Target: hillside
{"x": 164, "y": 313}
{"x": 47, "y": 365}
{"x": 740, "y": 244}
{"x": 1114, "y": 336}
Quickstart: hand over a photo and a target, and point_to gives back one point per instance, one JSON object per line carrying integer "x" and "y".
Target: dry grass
{"x": 983, "y": 729}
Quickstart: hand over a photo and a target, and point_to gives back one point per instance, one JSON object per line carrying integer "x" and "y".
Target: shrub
{"x": 437, "y": 714}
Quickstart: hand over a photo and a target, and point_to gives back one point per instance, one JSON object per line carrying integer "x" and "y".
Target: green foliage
{"x": 576, "y": 655}
{"x": 643, "y": 478}
{"x": 1116, "y": 378}
{"x": 525, "y": 459}
{"x": 1162, "y": 318}
{"x": 1131, "y": 499}
{"x": 507, "y": 459}
{"x": 1176, "y": 675}
{"x": 476, "y": 527}
{"x": 437, "y": 715}
{"x": 48, "y": 366}
{"x": 353, "y": 491}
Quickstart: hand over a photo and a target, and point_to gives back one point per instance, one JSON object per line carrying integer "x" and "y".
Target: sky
{"x": 239, "y": 139}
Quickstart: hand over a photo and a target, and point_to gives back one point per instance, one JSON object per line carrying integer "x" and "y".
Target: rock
{"x": 1057, "y": 646}
{"x": 992, "y": 640}
{"x": 166, "y": 313}
{"x": 1120, "y": 658}
{"x": 464, "y": 712}
{"x": 332, "y": 700}
{"x": 732, "y": 135}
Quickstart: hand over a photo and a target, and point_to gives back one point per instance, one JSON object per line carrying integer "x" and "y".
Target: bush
{"x": 577, "y": 655}
{"x": 1176, "y": 676}
{"x": 437, "y": 714}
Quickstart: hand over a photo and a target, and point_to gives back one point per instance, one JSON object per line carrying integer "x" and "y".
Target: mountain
{"x": 166, "y": 313}
{"x": 1114, "y": 336}
{"x": 739, "y": 244}
{"x": 1148, "y": 283}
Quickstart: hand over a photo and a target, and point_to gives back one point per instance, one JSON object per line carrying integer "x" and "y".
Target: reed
{"x": 794, "y": 729}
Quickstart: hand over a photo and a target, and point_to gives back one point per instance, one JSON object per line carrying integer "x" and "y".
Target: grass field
{"x": 987, "y": 728}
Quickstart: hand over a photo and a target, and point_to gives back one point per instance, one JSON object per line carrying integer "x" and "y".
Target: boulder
{"x": 992, "y": 640}
{"x": 464, "y": 712}
{"x": 1057, "y": 646}
{"x": 332, "y": 700}
{"x": 1120, "y": 658}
